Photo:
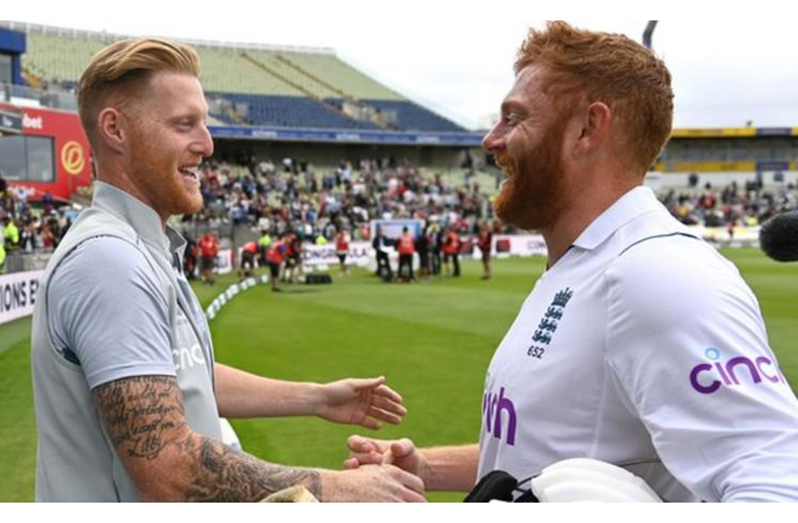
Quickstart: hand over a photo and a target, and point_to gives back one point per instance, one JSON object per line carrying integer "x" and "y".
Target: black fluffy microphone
{"x": 779, "y": 237}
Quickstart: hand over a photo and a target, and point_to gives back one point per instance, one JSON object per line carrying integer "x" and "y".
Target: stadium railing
{"x": 52, "y": 98}
{"x": 24, "y": 261}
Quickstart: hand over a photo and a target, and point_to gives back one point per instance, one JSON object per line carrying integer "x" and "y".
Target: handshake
{"x": 569, "y": 480}
{"x": 381, "y": 470}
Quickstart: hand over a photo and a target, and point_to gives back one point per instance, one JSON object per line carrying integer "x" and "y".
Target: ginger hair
{"x": 587, "y": 66}
{"x": 117, "y": 74}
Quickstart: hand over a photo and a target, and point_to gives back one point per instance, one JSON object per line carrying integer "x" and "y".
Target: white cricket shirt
{"x": 642, "y": 346}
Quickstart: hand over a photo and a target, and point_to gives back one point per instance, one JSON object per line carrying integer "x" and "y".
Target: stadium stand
{"x": 333, "y": 71}
{"x": 412, "y": 117}
{"x": 287, "y": 194}
{"x": 289, "y": 111}
{"x": 251, "y": 84}
{"x": 226, "y": 70}
{"x": 732, "y": 150}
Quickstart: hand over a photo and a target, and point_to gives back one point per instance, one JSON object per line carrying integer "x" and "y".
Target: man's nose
{"x": 494, "y": 142}
{"x": 205, "y": 143}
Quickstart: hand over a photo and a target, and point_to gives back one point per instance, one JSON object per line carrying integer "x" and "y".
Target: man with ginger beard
{"x": 676, "y": 381}
{"x": 127, "y": 393}
{"x": 532, "y": 202}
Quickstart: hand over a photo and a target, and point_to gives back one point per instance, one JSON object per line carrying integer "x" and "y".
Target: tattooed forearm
{"x": 228, "y": 475}
{"x": 139, "y": 413}
{"x": 145, "y": 420}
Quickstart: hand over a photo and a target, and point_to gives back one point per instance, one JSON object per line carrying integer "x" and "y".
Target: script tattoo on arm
{"x": 145, "y": 420}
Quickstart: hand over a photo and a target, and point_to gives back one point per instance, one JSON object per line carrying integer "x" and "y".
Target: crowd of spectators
{"x": 731, "y": 205}
{"x": 293, "y": 195}
{"x": 26, "y": 227}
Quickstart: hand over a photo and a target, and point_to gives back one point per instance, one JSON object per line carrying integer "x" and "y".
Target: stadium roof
{"x": 103, "y": 35}
{"x": 733, "y": 132}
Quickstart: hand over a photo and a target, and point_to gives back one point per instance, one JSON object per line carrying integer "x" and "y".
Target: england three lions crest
{"x": 548, "y": 324}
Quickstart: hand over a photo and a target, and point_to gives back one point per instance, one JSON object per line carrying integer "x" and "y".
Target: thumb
{"x": 402, "y": 448}
{"x": 367, "y": 383}
{"x": 360, "y": 444}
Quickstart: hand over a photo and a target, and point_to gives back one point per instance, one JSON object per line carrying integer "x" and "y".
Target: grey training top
{"x": 113, "y": 304}
{"x": 104, "y": 282}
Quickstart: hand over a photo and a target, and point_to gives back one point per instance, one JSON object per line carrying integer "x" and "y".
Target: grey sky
{"x": 456, "y": 57}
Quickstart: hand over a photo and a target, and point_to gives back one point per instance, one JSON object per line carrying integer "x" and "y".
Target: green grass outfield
{"x": 432, "y": 340}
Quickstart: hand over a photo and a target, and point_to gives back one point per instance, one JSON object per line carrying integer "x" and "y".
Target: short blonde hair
{"x": 609, "y": 68}
{"x": 118, "y": 71}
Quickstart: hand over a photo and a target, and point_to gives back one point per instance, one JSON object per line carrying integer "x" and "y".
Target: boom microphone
{"x": 779, "y": 237}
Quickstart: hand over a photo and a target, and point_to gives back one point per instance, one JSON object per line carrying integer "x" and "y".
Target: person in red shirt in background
{"x": 276, "y": 255}
{"x": 209, "y": 249}
{"x": 291, "y": 256}
{"x": 249, "y": 252}
{"x": 406, "y": 246}
{"x": 342, "y": 249}
{"x": 485, "y": 242}
{"x": 451, "y": 251}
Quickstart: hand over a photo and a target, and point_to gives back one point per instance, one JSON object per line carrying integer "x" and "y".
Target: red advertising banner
{"x": 71, "y": 152}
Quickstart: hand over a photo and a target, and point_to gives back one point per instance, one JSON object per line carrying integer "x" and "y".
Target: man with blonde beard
{"x": 127, "y": 392}
{"x": 640, "y": 345}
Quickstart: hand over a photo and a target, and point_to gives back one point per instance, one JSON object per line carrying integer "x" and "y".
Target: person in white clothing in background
{"x": 640, "y": 345}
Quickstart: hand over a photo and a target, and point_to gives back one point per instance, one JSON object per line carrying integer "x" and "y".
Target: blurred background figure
{"x": 276, "y": 256}
{"x": 341, "y": 250}
{"x": 383, "y": 263}
{"x": 249, "y": 255}
{"x": 423, "y": 249}
{"x": 451, "y": 252}
{"x": 263, "y": 245}
{"x": 209, "y": 249}
{"x": 406, "y": 247}
{"x": 485, "y": 242}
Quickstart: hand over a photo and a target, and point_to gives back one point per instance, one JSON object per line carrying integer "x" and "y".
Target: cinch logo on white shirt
{"x": 701, "y": 377}
{"x": 492, "y": 407}
{"x": 186, "y": 358}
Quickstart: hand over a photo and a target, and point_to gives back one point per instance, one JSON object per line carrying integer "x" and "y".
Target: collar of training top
{"x": 144, "y": 220}
{"x": 637, "y": 201}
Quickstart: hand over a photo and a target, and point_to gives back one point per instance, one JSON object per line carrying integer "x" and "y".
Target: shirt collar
{"x": 143, "y": 218}
{"x": 637, "y": 201}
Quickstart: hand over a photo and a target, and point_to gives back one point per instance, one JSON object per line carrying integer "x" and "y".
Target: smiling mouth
{"x": 502, "y": 162}
{"x": 189, "y": 172}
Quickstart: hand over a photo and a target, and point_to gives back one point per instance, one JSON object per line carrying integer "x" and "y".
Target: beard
{"x": 156, "y": 174}
{"x": 532, "y": 196}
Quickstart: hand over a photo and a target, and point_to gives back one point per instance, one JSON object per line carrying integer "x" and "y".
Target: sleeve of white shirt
{"x": 687, "y": 343}
{"x": 104, "y": 305}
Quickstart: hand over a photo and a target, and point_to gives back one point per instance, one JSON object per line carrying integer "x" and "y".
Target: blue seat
{"x": 413, "y": 117}
{"x": 289, "y": 111}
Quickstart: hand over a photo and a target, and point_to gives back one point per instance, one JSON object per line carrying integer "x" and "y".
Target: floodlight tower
{"x": 648, "y": 33}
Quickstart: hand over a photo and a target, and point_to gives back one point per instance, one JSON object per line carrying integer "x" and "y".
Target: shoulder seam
{"x": 654, "y": 237}
{"x": 67, "y": 351}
